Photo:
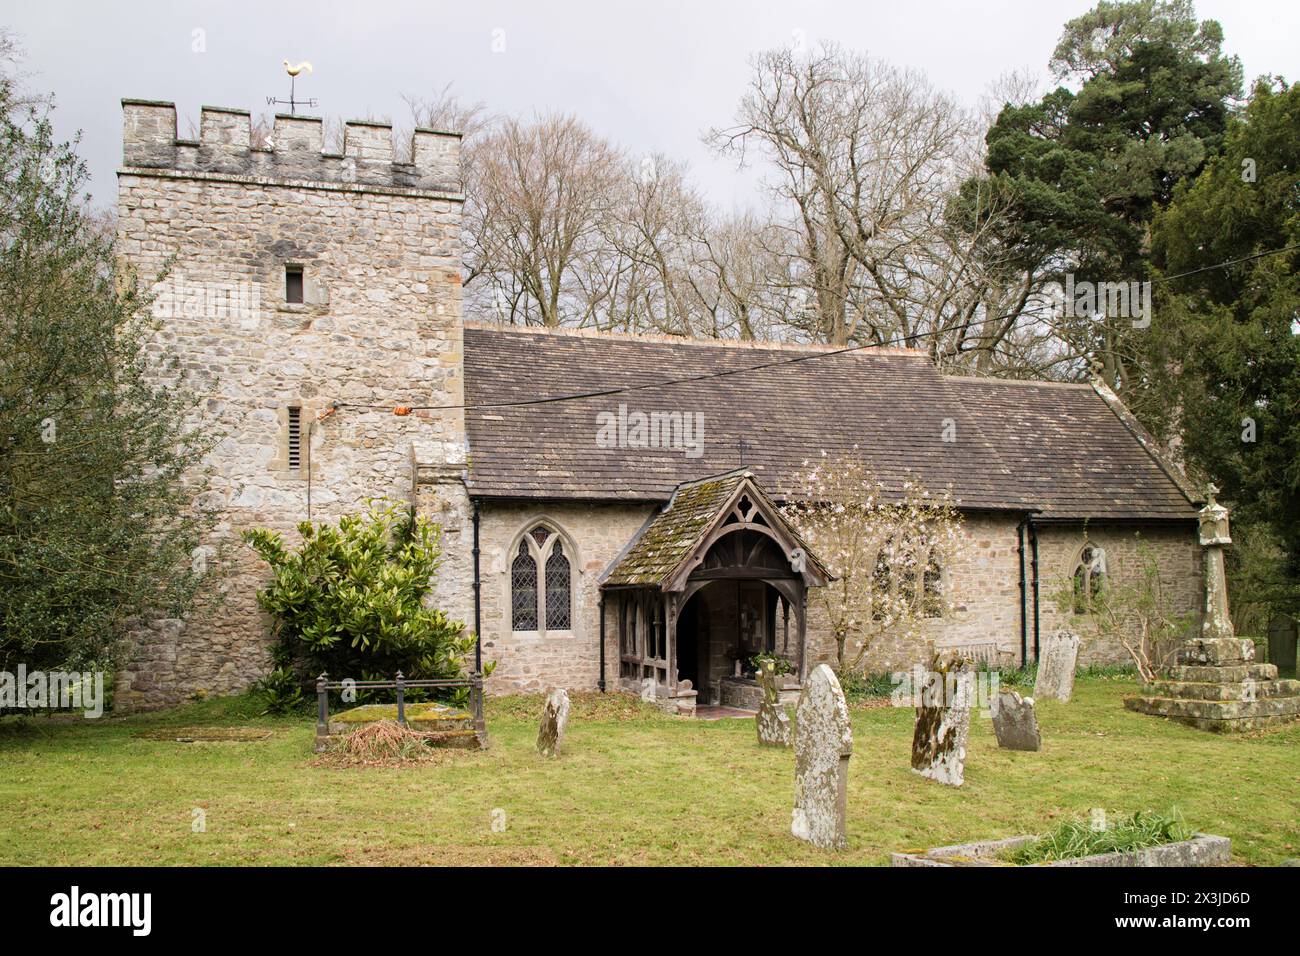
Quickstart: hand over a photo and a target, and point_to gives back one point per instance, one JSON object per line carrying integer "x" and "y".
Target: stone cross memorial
{"x": 943, "y": 723}
{"x": 823, "y": 744}
{"x": 1014, "y": 722}
{"x": 1216, "y": 684}
{"x": 1056, "y": 665}
{"x": 555, "y": 717}
{"x": 774, "y": 727}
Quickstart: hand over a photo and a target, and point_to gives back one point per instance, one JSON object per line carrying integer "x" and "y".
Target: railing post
{"x": 401, "y": 702}
{"x": 322, "y": 710}
{"x": 476, "y": 709}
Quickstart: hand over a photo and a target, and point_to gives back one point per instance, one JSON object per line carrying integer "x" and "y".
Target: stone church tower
{"x": 307, "y": 294}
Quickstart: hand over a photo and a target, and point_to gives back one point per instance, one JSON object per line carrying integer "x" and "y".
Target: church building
{"x": 625, "y": 539}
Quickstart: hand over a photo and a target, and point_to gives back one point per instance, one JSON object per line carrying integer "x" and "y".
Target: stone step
{"x": 1222, "y": 673}
{"x": 1240, "y": 690}
{"x": 1217, "y": 725}
{"x": 1215, "y": 709}
{"x": 1217, "y": 650}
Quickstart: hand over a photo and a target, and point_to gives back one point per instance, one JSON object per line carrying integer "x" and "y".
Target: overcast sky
{"x": 649, "y": 75}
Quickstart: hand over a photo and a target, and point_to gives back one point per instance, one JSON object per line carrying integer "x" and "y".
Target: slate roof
{"x": 1063, "y": 450}
{"x": 668, "y": 538}
{"x": 673, "y": 533}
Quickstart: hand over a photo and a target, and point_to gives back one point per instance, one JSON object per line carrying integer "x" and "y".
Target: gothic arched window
{"x": 523, "y": 590}
{"x": 932, "y": 603}
{"x": 558, "y": 611}
{"x": 1089, "y": 577}
{"x": 541, "y": 583}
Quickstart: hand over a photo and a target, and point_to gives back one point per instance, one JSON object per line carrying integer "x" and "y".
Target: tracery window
{"x": 932, "y": 603}
{"x": 541, "y": 583}
{"x": 523, "y": 590}
{"x": 1089, "y": 577}
{"x": 558, "y": 610}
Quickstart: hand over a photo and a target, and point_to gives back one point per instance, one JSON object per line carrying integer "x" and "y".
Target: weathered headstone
{"x": 1056, "y": 664}
{"x": 943, "y": 722}
{"x": 823, "y": 744}
{"x": 1014, "y": 721}
{"x": 555, "y": 717}
{"x": 773, "y": 723}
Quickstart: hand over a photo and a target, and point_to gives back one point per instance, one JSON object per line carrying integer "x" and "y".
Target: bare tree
{"x": 869, "y": 165}
{"x": 540, "y": 195}
{"x": 739, "y": 275}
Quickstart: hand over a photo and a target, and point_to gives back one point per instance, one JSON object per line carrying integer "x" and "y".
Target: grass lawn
{"x": 633, "y": 787}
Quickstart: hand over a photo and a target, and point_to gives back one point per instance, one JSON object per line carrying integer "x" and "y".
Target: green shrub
{"x": 858, "y": 686}
{"x": 282, "y": 689}
{"x": 1017, "y": 678}
{"x": 350, "y": 602}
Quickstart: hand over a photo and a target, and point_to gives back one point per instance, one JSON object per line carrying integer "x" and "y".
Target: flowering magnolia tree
{"x": 885, "y": 547}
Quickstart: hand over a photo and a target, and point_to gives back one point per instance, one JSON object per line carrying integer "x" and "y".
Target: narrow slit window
{"x": 295, "y": 438}
{"x": 293, "y": 285}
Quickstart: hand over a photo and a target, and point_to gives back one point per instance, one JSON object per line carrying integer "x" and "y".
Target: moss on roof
{"x": 671, "y": 535}
{"x": 674, "y": 533}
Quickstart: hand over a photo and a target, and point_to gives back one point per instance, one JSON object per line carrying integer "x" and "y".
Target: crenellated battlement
{"x": 224, "y": 147}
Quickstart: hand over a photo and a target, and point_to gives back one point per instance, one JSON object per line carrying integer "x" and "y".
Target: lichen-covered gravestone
{"x": 555, "y": 717}
{"x": 773, "y": 723}
{"x": 943, "y": 723}
{"x": 1014, "y": 721}
{"x": 823, "y": 744}
{"x": 1056, "y": 667}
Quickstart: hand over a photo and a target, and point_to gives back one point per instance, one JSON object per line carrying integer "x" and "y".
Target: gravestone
{"x": 555, "y": 717}
{"x": 823, "y": 743}
{"x": 1014, "y": 721}
{"x": 1056, "y": 665}
{"x": 773, "y": 723}
{"x": 947, "y": 692}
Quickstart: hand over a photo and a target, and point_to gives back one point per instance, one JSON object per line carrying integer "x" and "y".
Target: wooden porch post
{"x": 670, "y": 636}
{"x": 801, "y": 612}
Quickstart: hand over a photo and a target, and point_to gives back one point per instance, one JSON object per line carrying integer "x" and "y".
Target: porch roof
{"x": 672, "y": 535}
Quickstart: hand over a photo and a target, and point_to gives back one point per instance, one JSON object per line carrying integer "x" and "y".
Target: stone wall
{"x": 982, "y": 581}
{"x": 533, "y": 661}
{"x": 1175, "y": 550}
{"x": 380, "y": 324}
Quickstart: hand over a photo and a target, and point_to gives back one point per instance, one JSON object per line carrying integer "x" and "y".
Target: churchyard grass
{"x": 632, "y": 787}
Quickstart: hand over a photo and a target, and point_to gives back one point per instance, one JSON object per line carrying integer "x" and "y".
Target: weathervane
{"x": 291, "y": 102}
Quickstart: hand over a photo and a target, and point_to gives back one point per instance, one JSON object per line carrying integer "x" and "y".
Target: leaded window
{"x": 1089, "y": 577}
{"x": 541, "y": 583}
{"x": 523, "y": 590}
{"x": 558, "y": 614}
{"x": 932, "y": 602}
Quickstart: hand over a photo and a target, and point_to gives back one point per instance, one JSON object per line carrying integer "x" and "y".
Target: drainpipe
{"x": 601, "y": 683}
{"x": 1024, "y": 593}
{"x": 478, "y": 604}
{"x": 1033, "y": 547}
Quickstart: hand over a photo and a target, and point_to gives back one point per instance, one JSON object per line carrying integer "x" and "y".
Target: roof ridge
{"x": 1037, "y": 383}
{"x": 663, "y": 337}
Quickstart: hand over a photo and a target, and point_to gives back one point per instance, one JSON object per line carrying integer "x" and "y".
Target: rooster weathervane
{"x": 292, "y": 102}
